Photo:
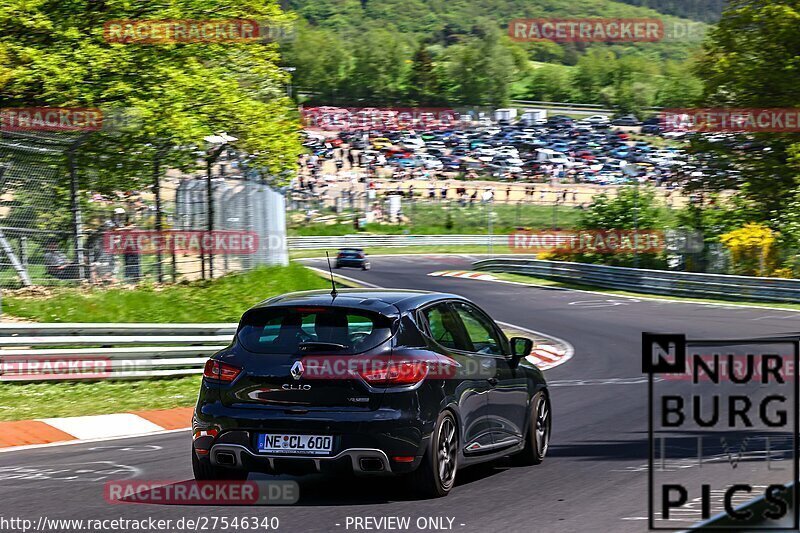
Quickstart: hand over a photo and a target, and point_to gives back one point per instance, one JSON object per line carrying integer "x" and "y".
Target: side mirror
{"x": 520, "y": 348}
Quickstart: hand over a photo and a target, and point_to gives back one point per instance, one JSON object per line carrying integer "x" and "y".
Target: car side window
{"x": 481, "y": 332}
{"x": 443, "y": 326}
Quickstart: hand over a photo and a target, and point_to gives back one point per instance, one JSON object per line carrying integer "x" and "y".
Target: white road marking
{"x": 100, "y": 426}
{"x": 86, "y": 441}
{"x": 596, "y": 304}
{"x": 134, "y": 448}
{"x": 91, "y": 471}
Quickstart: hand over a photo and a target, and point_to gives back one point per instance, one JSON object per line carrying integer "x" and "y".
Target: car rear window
{"x": 280, "y": 330}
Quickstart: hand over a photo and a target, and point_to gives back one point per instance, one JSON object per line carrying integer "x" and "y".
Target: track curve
{"x": 592, "y": 479}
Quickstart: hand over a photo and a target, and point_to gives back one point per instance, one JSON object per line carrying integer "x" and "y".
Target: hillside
{"x": 702, "y": 10}
{"x": 445, "y": 21}
{"x": 448, "y": 52}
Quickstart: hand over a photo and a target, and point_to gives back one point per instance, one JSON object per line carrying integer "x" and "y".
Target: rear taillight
{"x": 361, "y": 256}
{"x": 204, "y": 433}
{"x": 220, "y": 371}
{"x": 395, "y": 374}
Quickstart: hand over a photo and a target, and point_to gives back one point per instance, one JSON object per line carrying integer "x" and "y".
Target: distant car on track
{"x": 352, "y": 257}
{"x": 373, "y": 381}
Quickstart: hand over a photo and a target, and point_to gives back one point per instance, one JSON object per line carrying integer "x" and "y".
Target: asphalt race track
{"x": 594, "y": 479}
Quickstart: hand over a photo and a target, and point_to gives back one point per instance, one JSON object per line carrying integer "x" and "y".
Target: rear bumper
{"x": 358, "y": 460}
{"x": 365, "y": 442}
{"x": 359, "y": 263}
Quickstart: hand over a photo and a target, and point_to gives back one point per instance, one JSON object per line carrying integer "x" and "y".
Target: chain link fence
{"x": 65, "y": 220}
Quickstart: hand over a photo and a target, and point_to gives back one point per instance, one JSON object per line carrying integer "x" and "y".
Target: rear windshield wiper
{"x": 317, "y": 345}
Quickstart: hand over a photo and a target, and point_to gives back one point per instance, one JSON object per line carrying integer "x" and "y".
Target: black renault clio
{"x": 370, "y": 381}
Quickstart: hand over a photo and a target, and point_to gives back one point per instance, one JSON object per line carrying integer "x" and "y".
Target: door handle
{"x": 493, "y": 381}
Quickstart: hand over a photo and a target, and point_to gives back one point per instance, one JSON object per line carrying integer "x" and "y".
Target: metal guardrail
{"x": 84, "y": 352}
{"x": 341, "y": 241}
{"x": 573, "y": 108}
{"x": 652, "y": 281}
{"x": 48, "y": 352}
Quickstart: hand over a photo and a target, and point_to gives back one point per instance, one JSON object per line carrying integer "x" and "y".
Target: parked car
{"x": 626, "y": 120}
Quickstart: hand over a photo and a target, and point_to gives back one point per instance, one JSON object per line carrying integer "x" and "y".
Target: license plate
{"x": 295, "y": 444}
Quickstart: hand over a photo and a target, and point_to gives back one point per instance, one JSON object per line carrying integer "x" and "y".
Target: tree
{"x": 592, "y": 73}
{"x": 55, "y": 55}
{"x": 631, "y": 91}
{"x": 424, "y": 85}
{"x": 634, "y": 208}
{"x": 750, "y": 61}
{"x": 379, "y": 66}
{"x": 551, "y": 83}
{"x": 482, "y": 70}
{"x": 678, "y": 86}
{"x": 322, "y": 61}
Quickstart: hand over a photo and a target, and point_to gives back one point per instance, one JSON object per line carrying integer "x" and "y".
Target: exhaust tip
{"x": 225, "y": 458}
{"x": 370, "y": 464}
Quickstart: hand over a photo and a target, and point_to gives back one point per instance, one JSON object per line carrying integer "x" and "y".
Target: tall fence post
{"x": 158, "y": 225}
{"x": 213, "y": 155}
{"x": 210, "y": 211}
{"x": 77, "y": 222}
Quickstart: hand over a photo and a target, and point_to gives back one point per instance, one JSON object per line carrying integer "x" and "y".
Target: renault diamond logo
{"x": 297, "y": 369}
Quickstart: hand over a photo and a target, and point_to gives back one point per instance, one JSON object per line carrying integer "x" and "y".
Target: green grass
{"x": 533, "y": 281}
{"x": 220, "y": 300}
{"x": 435, "y": 219}
{"x": 46, "y": 400}
{"x": 408, "y": 250}
{"x": 25, "y": 401}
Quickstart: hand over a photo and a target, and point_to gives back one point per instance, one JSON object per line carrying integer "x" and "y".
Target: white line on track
{"x": 643, "y": 298}
{"x": 84, "y": 441}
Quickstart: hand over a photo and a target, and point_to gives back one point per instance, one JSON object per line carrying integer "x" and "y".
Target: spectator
{"x": 57, "y": 265}
{"x": 132, "y": 260}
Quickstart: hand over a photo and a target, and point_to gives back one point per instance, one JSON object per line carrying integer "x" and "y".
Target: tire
{"x": 365, "y": 267}
{"x": 436, "y": 474}
{"x": 537, "y": 439}
{"x": 203, "y": 470}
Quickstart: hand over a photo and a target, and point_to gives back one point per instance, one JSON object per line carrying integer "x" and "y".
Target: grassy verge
{"x": 426, "y": 218}
{"x": 408, "y": 250}
{"x": 541, "y": 282}
{"x": 220, "y": 300}
{"x": 46, "y": 400}
{"x": 27, "y": 401}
